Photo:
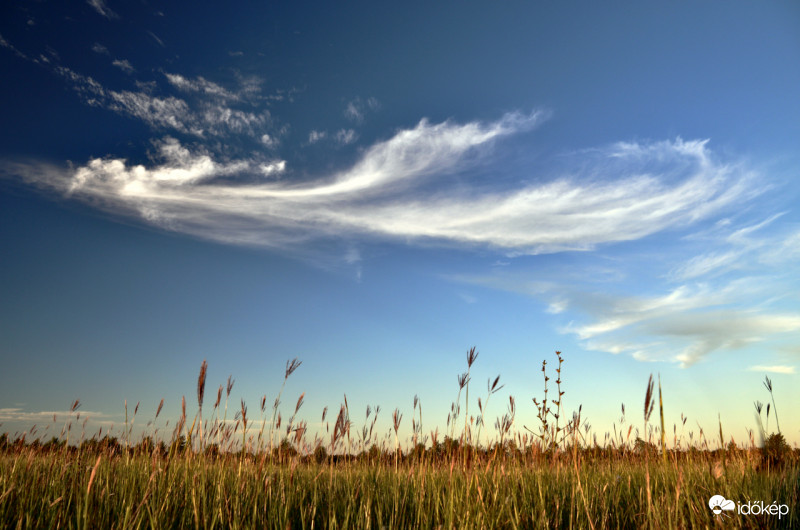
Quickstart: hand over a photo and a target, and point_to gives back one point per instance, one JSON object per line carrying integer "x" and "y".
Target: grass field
{"x": 556, "y": 477}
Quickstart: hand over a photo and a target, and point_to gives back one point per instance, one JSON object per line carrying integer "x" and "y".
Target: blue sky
{"x": 374, "y": 190}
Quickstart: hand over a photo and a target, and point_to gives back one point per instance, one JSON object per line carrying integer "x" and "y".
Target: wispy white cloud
{"x": 558, "y": 305}
{"x": 273, "y": 168}
{"x": 397, "y": 190}
{"x": 101, "y": 7}
{"x": 169, "y": 112}
{"x": 353, "y": 112}
{"x": 269, "y": 141}
{"x": 734, "y": 247}
{"x": 42, "y": 417}
{"x": 204, "y": 107}
{"x": 611, "y": 313}
{"x": 5, "y": 44}
{"x": 774, "y": 369}
{"x": 341, "y": 137}
{"x": 721, "y": 330}
{"x": 705, "y": 264}
{"x": 124, "y": 65}
{"x": 156, "y": 39}
{"x": 346, "y": 136}
{"x": 200, "y": 85}
{"x": 100, "y": 49}
{"x": 468, "y": 298}
{"x": 382, "y": 194}
{"x": 352, "y": 257}
{"x": 356, "y": 109}
{"x": 315, "y": 136}
{"x": 180, "y": 168}
{"x": 219, "y": 119}
{"x": 682, "y": 325}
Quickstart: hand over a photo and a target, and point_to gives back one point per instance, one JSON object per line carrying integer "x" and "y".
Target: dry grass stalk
{"x": 649, "y": 403}
{"x": 201, "y": 383}
{"x": 661, "y": 411}
{"x": 291, "y": 366}
{"x": 229, "y": 387}
{"x": 201, "y": 390}
{"x": 92, "y": 476}
{"x": 472, "y": 356}
{"x": 768, "y": 385}
{"x": 396, "y": 418}
{"x": 219, "y": 397}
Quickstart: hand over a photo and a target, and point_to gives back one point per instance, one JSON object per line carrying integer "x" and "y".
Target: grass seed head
{"x": 291, "y": 366}
{"x": 649, "y": 400}
{"x": 201, "y": 383}
{"x": 472, "y": 355}
{"x": 219, "y": 397}
{"x": 396, "y": 418}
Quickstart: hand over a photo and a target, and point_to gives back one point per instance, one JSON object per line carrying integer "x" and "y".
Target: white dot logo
{"x": 720, "y": 504}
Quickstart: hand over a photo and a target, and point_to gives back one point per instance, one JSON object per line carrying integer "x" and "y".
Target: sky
{"x": 375, "y": 189}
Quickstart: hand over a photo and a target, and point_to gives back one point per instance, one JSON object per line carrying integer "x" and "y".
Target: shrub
{"x": 776, "y": 452}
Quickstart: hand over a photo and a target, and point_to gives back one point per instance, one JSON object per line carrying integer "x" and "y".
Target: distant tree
{"x": 417, "y": 452}
{"x": 644, "y": 448}
{"x": 286, "y": 449}
{"x": 146, "y": 446}
{"x": 178, "y": 444}
{"x": 320, "y": 454}
{"x": 776, "y": 452}
{"x": 212, "y": 450}
{"x": 374, "y": 454}
{"x": 53, "y": 444}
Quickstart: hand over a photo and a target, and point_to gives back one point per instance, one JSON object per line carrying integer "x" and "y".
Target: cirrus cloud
{"x": 395, "y": 191}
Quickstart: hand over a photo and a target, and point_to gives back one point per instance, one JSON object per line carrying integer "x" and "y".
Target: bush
{"x": 320, "y": 455}
{"x": 776, "y": 452}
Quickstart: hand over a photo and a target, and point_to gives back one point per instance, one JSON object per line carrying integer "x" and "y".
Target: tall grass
{"x": 553, "y": 476}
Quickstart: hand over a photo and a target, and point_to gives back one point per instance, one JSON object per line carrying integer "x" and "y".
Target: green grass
{"x": 555, "y": 478}
{"x": 50, "y": 489}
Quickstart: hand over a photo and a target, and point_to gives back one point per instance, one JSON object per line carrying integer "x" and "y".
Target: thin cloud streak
{"x": 200, "y": 85}
{"x": 42, "y": 417}
{"x": 774, "y": 369}
{"x": 101, "y": 8}
{"x": 124, "y": 65}
{"x": 743, "y": 248}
